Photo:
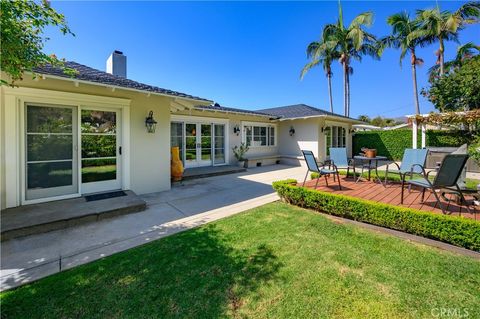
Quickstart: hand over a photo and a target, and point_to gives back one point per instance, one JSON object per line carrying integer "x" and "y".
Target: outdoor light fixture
{"x": 292, "y": 131}
{"x": 323, "y": 129}
{"x": 236, "y": 129}
{"x": 150, "y": 123}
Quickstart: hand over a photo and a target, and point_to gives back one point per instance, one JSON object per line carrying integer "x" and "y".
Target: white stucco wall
{"x": 305, "y": 137}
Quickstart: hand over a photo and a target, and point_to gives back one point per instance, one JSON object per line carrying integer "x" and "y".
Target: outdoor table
{"x": 369, "y": 166}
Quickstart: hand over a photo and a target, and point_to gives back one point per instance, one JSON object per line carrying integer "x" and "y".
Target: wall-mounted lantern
{"x": 291, "y": 131}
{"x": 351, "y": 131}
{"x": 150, "y": 123}
{"x": 236, "y": 129}
{"x": 323, "y": 129}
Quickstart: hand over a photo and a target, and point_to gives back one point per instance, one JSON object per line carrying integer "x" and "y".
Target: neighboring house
{"x": 63, "y": 137}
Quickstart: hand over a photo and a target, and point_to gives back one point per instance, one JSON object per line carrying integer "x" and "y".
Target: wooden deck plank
{"x": 389, "y": 195}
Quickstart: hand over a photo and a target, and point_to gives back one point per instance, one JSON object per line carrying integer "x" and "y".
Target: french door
{"x": 201, "y": 144}
{"x": 101, "y": 150}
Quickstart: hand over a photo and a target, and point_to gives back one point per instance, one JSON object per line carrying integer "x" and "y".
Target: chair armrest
{"x": 395, "y": 163}
{"x": 422, "y": 168}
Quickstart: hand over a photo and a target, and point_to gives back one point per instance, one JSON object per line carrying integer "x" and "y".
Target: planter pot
{"x": 242, "y": 164}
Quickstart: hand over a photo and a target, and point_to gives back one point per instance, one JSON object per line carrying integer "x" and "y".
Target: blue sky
{"x": 244, "y": 54}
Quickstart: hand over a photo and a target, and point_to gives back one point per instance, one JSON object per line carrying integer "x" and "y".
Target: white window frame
{"x": 267, "y": 126}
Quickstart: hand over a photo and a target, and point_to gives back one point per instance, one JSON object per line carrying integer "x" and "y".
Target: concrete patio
{"x": 187, "y": 205}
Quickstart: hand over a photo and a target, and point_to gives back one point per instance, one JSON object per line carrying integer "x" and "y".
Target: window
{"x": 259, "y": 135}
{"x": 335, "y": 136}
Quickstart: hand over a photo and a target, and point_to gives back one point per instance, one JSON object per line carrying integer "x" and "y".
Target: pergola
{"x": 470, "y": 119}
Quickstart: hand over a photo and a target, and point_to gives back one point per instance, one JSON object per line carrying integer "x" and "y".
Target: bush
{"x": 393, "y": 143}
{"x": 450, "y": 229}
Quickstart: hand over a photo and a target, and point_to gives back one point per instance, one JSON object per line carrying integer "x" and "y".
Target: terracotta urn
{"x": 176, "y": 165}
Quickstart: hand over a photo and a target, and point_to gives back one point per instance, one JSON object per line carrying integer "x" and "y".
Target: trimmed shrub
{"x": 393, "y": 143}
{"x": 449, "y": 229}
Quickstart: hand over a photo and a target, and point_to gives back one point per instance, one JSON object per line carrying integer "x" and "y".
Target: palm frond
{"x": 363, "y": 19}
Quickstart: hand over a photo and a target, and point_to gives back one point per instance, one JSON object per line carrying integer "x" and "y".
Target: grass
{"x": 470, "y": 182}
{"x": 276, "y": 261}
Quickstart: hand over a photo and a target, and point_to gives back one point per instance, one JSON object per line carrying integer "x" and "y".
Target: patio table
{"x": 369, "y": 166}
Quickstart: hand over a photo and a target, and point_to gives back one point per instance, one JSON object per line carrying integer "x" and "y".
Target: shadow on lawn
{"x": 197, "y": 273}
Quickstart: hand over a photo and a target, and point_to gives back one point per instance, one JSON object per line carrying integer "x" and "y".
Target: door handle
{"x": 120, "y": 150}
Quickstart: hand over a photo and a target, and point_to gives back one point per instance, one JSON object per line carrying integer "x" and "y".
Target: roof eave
{"x": 237, "y": 112}
{"x": 56, "y": 77}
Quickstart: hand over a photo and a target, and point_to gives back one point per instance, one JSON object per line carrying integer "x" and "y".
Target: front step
{"x": 40, "y": 218}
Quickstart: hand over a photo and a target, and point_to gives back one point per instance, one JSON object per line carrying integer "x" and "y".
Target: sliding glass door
{"x": 51, "y": 141}
{"x": 100, "y": 150}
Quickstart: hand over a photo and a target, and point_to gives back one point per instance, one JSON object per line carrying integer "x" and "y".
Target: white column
{"x": 414, "y": 134}
{"x": 424, "y": 135}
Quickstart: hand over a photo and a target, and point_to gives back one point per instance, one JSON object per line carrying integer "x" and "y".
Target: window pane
{"x": 191, "y": 142}
{"x": 206, "y": 154}
{"x": 206, "y": 142}
{"x": 219, "y": 142}
{"x": 219, "y": 156}
{"x": 176, "y": 141}
{"x": 272, "y": 136}
{"x": 176, "y": 129}
{"x": 219, "y": 130}
{"x": 99, "y": 170}
{"x": 256, "y": 130}
{"x": 263, "y": 131}
{"x": 41, "y": 119}
{"x": 206, "y": 130}
{"x": 190, "y": 154}
{"x": 191, "y": 129}
{"x": 49, "y": 147}
{"x": 99, "y": 146}
{"x": 98, "y": 122}
{"x": 46, "y": 175}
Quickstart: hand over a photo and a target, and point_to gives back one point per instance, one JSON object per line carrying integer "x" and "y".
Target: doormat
{"x": 91, "y": 198}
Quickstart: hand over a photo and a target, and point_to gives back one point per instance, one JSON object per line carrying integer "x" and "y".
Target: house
{"x": 62, "y": 136}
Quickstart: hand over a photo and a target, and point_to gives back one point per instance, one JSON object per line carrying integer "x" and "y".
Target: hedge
{"x": 394, "y": 142}
{"x": 449, "y": 229}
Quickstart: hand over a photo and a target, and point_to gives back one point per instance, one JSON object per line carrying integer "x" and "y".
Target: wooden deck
{"x": 390, "y": 195}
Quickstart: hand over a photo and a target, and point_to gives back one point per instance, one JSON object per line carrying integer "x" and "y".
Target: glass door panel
{"x": 100, "y": 142}
{"x": 219, "y": 144}
{"x": 176, "y": 137}
{"x": 205, "y": 144}
{"x": 190, "y": 144}
{"x": 51, "y": 165}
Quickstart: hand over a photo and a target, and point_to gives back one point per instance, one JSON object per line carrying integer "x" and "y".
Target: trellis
{"x": 470, "y": 119}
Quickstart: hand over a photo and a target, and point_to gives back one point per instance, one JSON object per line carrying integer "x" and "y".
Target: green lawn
{"x": 276, "y": 261}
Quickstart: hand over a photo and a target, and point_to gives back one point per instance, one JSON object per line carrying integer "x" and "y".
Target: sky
{"x": 246, "y": 54}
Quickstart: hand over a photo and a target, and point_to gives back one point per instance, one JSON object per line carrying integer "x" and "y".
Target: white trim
{"x": 15, "y": 100}
{"x": 260, "y": 124}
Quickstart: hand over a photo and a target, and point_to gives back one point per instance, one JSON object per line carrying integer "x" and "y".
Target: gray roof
{"x": 299, "y": 111}
{"x": 86, "y": 73}
{"x": 219, "y": 108}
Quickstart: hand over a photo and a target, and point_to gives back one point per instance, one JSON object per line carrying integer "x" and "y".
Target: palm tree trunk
{"x": 345, "y": 88}
{"x": 348, "y": 91}
{"x": 441, "y": 56}
{"x": 329, "y": 78}
{"x": 415, "y": 88}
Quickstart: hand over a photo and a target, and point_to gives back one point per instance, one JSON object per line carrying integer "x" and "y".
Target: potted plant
{"x": 239, "y": 153}
{"x": 474, "y": 152}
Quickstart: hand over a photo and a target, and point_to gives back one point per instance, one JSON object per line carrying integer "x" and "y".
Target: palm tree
{"x": 464, "y": 52}
{"x": 320, "y": 55}
{"x": 443, "y": 26}
{"x": 402, "y": 28}
{"x": 350, "y": 42}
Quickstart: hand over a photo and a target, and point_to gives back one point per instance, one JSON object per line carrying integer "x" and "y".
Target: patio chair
{"x": 322, "y": 171}
{"x": 447, "y": 176}
{"x": 410, "y": 158}
{"x": 338, "y": 157}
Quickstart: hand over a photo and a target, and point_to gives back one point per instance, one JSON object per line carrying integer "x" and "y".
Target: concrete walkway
{"x": 188, "y": 205}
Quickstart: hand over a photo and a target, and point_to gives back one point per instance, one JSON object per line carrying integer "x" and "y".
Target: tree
{"x": 22, "y": 25}
{"x": 458, "y": 89}
{"x": 324, "y": 56}
{"x": 402, "y": 29}
{"x": 364, "y": 118}
{"x": 444, "y": 26}
{"x": 350, "y": 42}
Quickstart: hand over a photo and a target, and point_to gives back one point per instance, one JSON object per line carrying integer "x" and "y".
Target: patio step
{"x": 40, "y": 218}
{"x": 208, "y": 171}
